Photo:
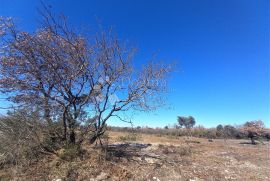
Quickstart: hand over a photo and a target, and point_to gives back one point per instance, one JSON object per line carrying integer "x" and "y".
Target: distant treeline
{"x": 220, "y": 132}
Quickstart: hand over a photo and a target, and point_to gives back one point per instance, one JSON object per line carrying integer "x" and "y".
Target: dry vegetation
{"x": 153, "y": 157}
{"x": 64, "y": 87}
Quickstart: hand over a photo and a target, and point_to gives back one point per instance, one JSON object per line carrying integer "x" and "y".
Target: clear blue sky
{"x": 223, "y": 49}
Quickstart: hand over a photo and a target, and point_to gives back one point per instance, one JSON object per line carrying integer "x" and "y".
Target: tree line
{"x": 185, "y": 126}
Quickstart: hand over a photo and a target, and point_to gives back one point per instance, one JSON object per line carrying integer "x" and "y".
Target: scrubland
{"x": 128, "y": 156}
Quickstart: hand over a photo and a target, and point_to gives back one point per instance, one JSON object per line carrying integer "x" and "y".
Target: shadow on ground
{"x": 147, "y": 153}
{"x": 127, "y": 150}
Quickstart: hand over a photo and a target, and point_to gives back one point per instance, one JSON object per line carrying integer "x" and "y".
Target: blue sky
{"x": 223, "y": 50}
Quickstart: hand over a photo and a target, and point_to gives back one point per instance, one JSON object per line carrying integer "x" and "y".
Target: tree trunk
{"x": 98, "y": 133}
{"x": 64, "y": 126}
{"x": 93, "y": 138}
{"x": 47, "y": 112}
{"x": 71, "y": 131}
{"x": 253, "y": 141}
{"x": 72, "y": 138}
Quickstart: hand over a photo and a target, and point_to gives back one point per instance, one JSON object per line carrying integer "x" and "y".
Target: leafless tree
{"x": 75, "y": 79}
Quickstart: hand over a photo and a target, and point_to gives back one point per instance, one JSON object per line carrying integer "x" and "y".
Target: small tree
{"x": 187, "y": 122}
{"x": 220, "y": 130}
{"x": 253, "y": 129}
{"x": 229, "y": 131}
{"x": 73, "y": 79}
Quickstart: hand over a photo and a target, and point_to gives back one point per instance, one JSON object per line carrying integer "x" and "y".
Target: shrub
{"x": 20, "y": 135}
{"x": 70, "y": 152}
{"x": 129, "y": 137}
{"x": 105, "y": 136}
{"x": 266, "y": 135}
{"x": 182, "y": 150}
{"x": 25, "y": 138}
{"x": 211, "y": 134}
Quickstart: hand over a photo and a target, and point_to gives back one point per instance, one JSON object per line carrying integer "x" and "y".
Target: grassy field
{"x": 155, "y": 157}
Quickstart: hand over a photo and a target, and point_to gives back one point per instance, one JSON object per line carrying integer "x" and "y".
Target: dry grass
{"x": 156, "y": 158}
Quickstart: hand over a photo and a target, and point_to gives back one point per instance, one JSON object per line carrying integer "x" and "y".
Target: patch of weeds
{"x": 129, "y": 137}
{"x": 161, "y": 146}
{"x": 72, "y": 174}
{"x": 166, "y": 150}
{"x": 182, "y": 151}
{"x": 70, "y": 152}
{"x": 172, "y": 137}
{"x": 105, "y": 136}
{"x": 192, "y": 141}
{"x": 5, "y": 176}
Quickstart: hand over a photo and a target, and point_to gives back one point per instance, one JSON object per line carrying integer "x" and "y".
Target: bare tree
{"x": 73, "y": 79}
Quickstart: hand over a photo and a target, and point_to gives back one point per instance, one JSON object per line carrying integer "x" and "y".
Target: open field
{"x": 153, "y": 157}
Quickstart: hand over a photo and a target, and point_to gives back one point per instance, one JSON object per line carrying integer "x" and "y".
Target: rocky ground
{"x": 155, "y": 157}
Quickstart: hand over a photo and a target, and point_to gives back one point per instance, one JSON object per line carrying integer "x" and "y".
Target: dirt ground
{"x": 155, "y": 157}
